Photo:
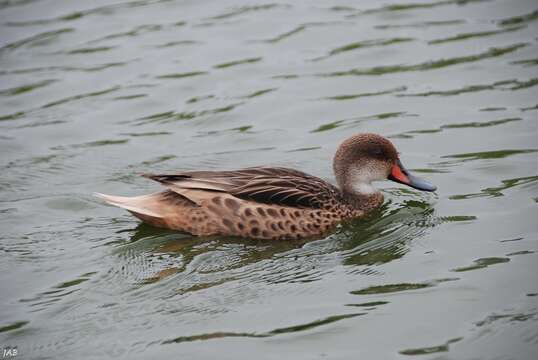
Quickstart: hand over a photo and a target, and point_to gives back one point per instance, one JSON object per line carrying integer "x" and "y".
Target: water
{"x": 94, "y": 92}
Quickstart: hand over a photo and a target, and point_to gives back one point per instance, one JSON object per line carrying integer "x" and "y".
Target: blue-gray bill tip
{"x": 402, "y": 176}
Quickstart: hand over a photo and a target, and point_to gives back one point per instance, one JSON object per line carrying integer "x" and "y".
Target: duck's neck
{"x": 359, "y": 192}
{"x": 363, "y": 197}
{"x": 355, "y": 183}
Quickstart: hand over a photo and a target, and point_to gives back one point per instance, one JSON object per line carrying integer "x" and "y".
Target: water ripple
{"x": 22, "y": 89}
{"x": 472, "y": 35}
{"x": 423, "y": 24}
{"x": 171, "y": 116}
{"x": 351, "y": 121}
{"x": 181, "y": 75}
{"x": 41, "y": 39}
{"x": 473, "y": 124}
{"x": 81, "y": 96}
{"x": 431, "y": 349}
{"x": 136, "y": 31}
{"x": 363, "y": 44}
{"x": 76, "y": 15}
{"x": 377, "y": 93}
{"x": 413, "y": 6}
{"x": 512, "y": 84}
{"x": 429, "y": 65}
{"x": 497, "y": 190}
{"x": 392, "y": 288}
{"x": 482, "y": 263}
{"x": 285, "y": 330}
{"x": 247, "y": 9}
{"x": 485, "y": 155}
{"x": 520, "y": 19}
{"x": 237, "y": 62}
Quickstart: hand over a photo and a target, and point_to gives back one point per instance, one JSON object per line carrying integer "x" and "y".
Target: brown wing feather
{"x": 269, "y": 185}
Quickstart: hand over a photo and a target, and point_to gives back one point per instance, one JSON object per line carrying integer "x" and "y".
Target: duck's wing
{"x": 269, "y": 185}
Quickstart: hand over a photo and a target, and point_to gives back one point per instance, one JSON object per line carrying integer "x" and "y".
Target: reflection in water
{"x": 384, "y": 236}
{"x": 175, "y": 253}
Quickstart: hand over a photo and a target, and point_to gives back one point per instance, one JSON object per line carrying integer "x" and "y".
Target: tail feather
{"x": 135, "y": 204}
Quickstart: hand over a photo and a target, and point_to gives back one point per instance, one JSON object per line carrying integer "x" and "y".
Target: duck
{"x": 273, "y": 202}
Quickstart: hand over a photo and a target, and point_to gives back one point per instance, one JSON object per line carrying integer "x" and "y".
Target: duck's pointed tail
{"x": 165, "y": 209}
{"x": 138, "y": 205}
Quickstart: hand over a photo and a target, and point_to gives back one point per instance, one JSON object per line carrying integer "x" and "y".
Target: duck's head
{"x": 364, "y": 158}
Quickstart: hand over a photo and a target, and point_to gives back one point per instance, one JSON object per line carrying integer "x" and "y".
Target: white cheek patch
{"x": 363, "y": 188}
{"x": 362, "y": 177}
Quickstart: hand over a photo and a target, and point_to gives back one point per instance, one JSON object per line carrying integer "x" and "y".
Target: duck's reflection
{"x": 385, "y": 236}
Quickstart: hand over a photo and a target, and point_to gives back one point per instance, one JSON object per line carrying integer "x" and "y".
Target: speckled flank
{"x": 265, "y": 202}
{"x": 248, "y": 219}
{"x": 227, "y": 214}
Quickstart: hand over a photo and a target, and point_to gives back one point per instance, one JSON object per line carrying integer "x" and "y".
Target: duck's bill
{"x": 402, "y": 176}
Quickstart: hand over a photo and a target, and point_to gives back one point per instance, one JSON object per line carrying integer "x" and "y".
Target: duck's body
{"x": 270, "y": 202}
{"x": 261, "y": 202}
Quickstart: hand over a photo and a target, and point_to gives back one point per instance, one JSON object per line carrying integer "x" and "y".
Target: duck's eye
{"x": 376, "y": 151}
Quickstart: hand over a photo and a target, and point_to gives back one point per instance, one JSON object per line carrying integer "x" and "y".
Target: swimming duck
{"x": 273, "y": 202}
